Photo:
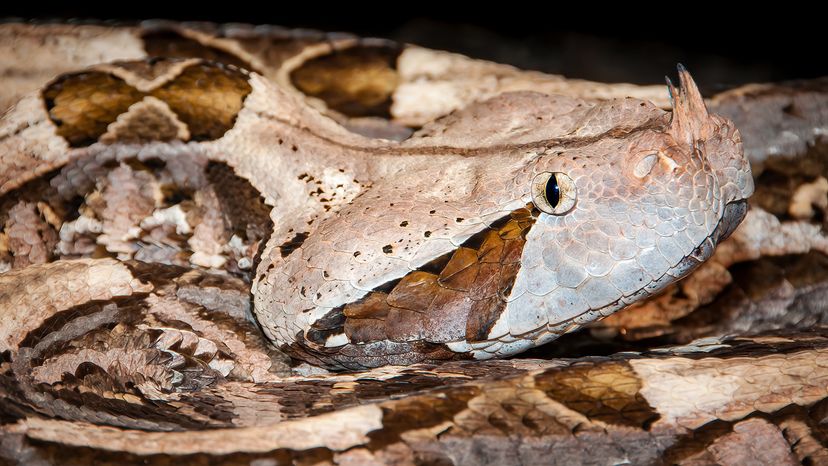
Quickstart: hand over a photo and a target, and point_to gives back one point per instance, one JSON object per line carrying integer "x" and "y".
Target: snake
{"x": 218, "y": 258}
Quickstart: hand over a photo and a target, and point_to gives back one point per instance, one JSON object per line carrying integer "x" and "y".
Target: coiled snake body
{"x": 141, "y": 197}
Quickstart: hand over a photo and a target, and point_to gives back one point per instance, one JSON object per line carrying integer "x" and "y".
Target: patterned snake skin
{"x": 174, "y": 226}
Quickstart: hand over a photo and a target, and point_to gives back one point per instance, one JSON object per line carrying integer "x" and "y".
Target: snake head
{"x": 646, "y": 206}
{"x": 508, "y": 223}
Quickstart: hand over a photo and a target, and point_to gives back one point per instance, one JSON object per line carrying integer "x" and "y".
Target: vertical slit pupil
{"x": 553, "y": 191}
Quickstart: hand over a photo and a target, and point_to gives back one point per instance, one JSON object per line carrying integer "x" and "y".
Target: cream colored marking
{"x": 147, "y": 108}
{"x": 335, "y": 431}
{"x": 334, "y": 341}
{"x": 142, "y": 84}
{"x": 434, "y": 83}
{"x": 692, "y": 393}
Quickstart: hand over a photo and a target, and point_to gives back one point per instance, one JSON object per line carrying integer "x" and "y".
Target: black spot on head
{"x": 388, "y": 249}
{"x": 292, "y": 244}
{"x": 427, "y": 234}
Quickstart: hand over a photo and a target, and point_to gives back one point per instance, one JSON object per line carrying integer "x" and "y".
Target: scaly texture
{"x": 266, "y": 164}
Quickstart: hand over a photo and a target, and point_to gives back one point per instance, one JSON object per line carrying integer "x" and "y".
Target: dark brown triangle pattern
{"x": 204, "y": 96}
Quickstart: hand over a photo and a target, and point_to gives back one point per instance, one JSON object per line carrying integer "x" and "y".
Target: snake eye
{"x": 553, "y": 192}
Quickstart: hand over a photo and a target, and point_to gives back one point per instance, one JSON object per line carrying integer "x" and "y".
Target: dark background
{"x": 722, "y": 45}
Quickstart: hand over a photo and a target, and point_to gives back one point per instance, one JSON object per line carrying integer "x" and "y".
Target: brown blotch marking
{"x": 205, "y": 97}
{"x": 292, "y": 244}
{"x": 242, "y": 204}
{"x": 155, "y": 274}
{"x": 695, "y": 444}
{"x": 167, "y": 43}
{"x": 608, "y": 392}
{"x": 420, "y": 412}
{"x": 358, "y": 81}
{"x": 82, "y": 105}
{"x": 447, "y": 300}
